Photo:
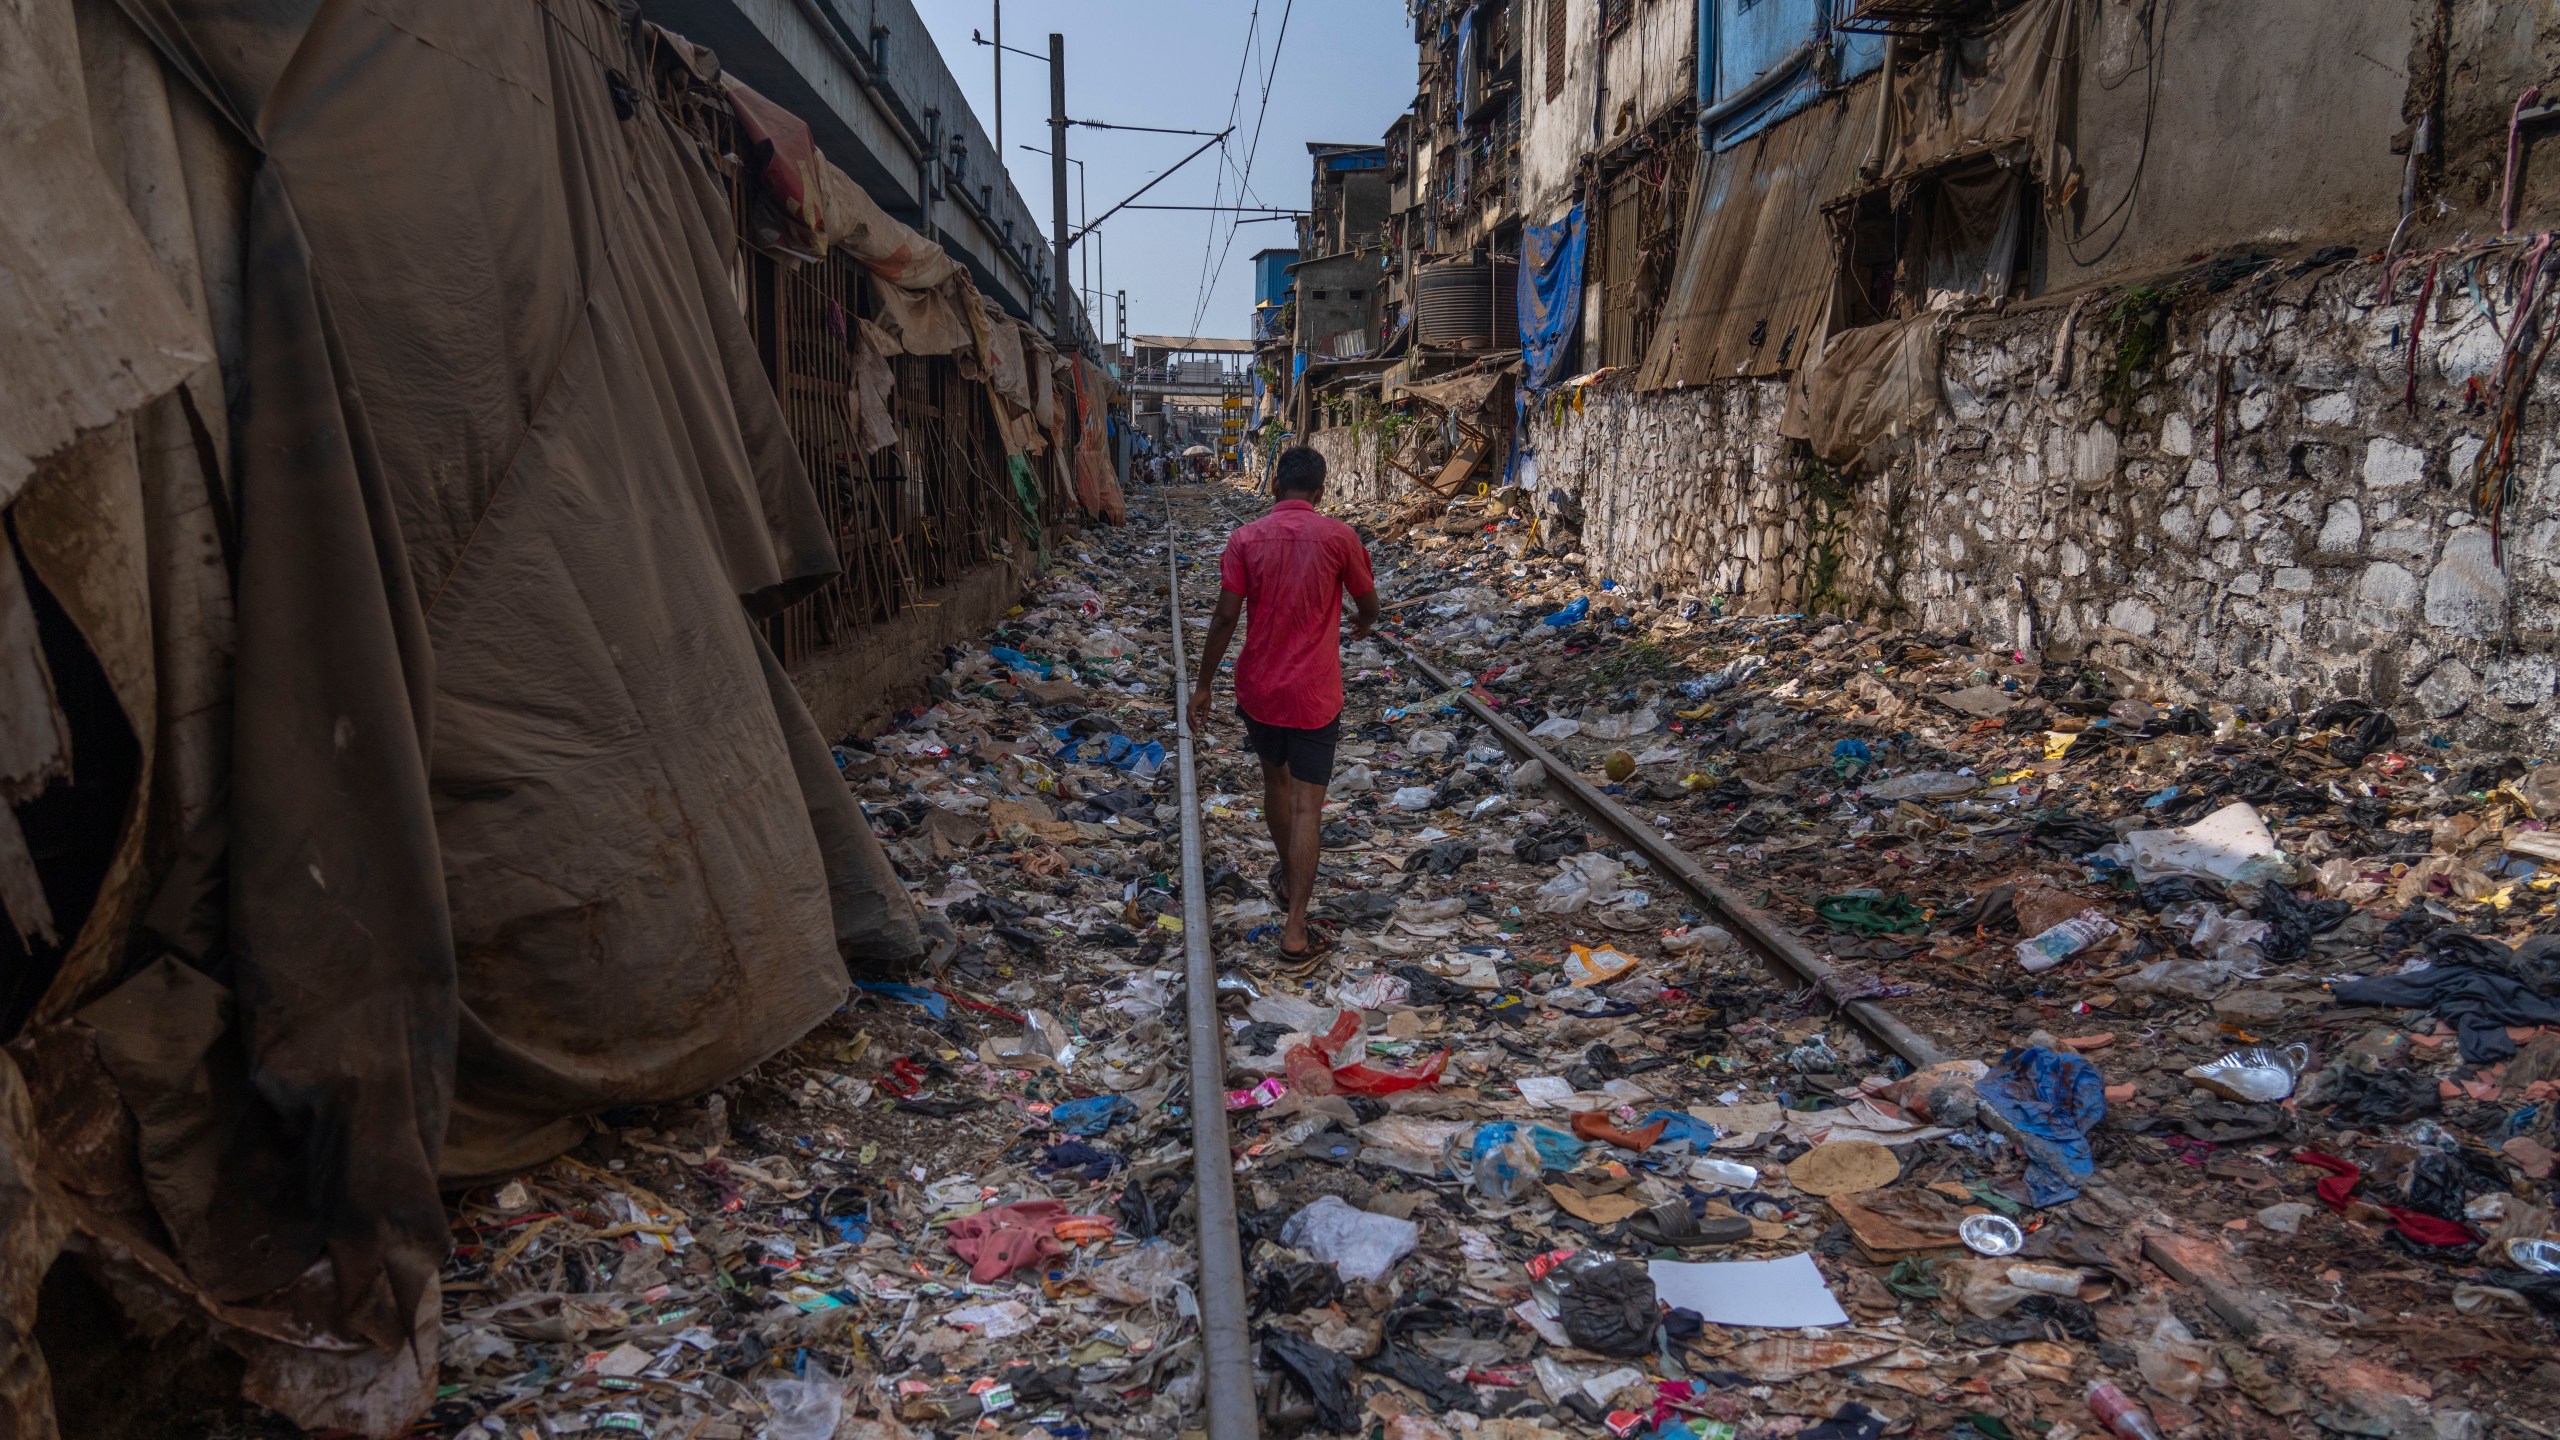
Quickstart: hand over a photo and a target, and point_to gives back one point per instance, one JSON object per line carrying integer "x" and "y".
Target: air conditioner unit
{"x": 1906, "y": 17}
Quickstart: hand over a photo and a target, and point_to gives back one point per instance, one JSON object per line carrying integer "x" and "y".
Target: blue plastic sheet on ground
{"x": 1550, "y": 296}
{"x": 1118, "y": 751}
{"x": 2055, "y": 1098}
{"x": 1571, "y": 614}
{"x": 933, "y": 1003}
{"x": 1679, "y": 1127}
{"x": 1015, "y": 660}
{"x": 1556, "y": 1149}
{"x": 1094, "y": 1116}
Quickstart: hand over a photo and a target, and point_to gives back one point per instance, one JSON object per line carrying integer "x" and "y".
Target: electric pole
{"x": 1062, "y": 282}
{"x": 999, "y": 52}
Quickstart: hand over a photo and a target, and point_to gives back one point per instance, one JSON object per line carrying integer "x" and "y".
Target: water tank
{"x": 1471, "y": 304}
{"x": 1453, "y": 304}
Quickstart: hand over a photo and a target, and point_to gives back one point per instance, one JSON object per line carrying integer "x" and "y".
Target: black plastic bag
{"x": 1322, "y": 1374}
{"x": 1288, "y": 1288}
{"x": 2292, "y": 922}
{"x": 1423, "y": 1373}
{"x": 1611, "y": 1309}
{"x": 1441, "y": 859}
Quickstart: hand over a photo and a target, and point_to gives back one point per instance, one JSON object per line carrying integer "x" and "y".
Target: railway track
{"x": 1230, "y": 1398}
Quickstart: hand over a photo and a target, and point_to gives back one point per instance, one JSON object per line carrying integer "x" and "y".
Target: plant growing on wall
{"x": 2135, "y": 328}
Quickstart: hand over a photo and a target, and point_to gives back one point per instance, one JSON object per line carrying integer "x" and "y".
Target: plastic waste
{"x": 1505, "y": 1164}
{"x": 1315, "y": 1066}
{"x": 2233, "y": 939}
{"x": 2172, "y": 1360}
{"x": 1580, "y": 881}
{"x": 1991, "y": 1235}
{"x": 1360, "y": 1245}
{"x": 1608, "y": 1306}
{"x": 2539, "y": 1257}
{"x": 2051, "y": 948}
{"x": 1094, "y": 1116}
{"x": 1354, "y": 780}
{"x": 2119, "y": 1414}
{"x": 2053, "y": 1098}
{"x": 1571, "y": 614}
{"x": 2195, "y": 979}
{"x": 1015, "y": 660}
{"x": 2285, "y": 1218}
{"x": 802, "y": 1409}
{"x": 1417, "y": 797}
{"x": 1147, "y": 1275}
{"x": 1556, "y": 727}
{"x": 1589, "y": 967}
{"x": 2257, "y": 1075}
{"x": 1703, "y": 939}
{"x": 2231, "y": 845}
{"x": 1922, "y": 785}
{"x": 1424, "y": 911}
{"x": 1729, "y": 1174}
{"x": 1527, "y": 778}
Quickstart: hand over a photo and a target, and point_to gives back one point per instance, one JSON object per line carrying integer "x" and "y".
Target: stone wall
{"x": 2330, "y": 548}
{"x": 1354, "y": 471}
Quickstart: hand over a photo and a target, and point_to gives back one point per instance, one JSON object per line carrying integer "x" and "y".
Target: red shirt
{"x": 1293, "y": 566}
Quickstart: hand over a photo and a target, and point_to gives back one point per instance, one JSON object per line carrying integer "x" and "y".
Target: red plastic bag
{"x": 1313, "y": 1068}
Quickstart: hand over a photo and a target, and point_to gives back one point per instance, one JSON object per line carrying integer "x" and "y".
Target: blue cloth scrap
{"x": 1087, "y": 1162}
{"x": 1015, "y": 660}
{"x": 2055, "y": 1098}
{"x": 1679, "y": 1127}
{"x": 1094, "y": 1116}
{"x": 1571, "y": 614}
{"x": 933, "y": 1003}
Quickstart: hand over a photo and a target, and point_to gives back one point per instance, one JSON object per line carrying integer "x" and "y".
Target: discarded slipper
{"x": 1670, "y": 1224}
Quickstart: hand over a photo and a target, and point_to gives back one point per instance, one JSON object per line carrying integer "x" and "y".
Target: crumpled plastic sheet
{"x": 2054, "y": 1098}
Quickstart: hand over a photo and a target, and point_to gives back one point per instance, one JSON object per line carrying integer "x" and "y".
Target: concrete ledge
{"x": 878, "y": 671}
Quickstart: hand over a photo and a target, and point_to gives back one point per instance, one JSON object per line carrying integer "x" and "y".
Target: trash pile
{"x": 2246, "y": 1122}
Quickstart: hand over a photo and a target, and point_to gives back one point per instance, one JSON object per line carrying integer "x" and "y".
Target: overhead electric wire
{"x": 1235, "y": 107}
{"x": 1244, "y": 181}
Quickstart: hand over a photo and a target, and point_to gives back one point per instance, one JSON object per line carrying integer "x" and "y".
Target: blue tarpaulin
{"x": 2055, "y": 1098}
{"x": 1550, "y": 296}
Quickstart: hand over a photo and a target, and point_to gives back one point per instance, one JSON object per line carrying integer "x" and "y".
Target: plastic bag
{"x": 1526, "y": 778}
{"x": 1707, "y": 939}
{"x": 1360, "y": 1245}
{"x": 1589, "y": 967}
{"x": 803, "y": 1409}
{"x": 1609, "y": 1305}
{"x": 2231, "y": 845}
{"x": 1570, "y": 614}
{"x": 2172, "y": 1360}
{"x": 1314, "y": 1069}
{"x": 1505, "y": 1163}
{"x": 1417, "y": 797}
{"x": 1144, "y": 1276}
{"x": 1356, "y": 780}
{"x": 1581, "y": 880}
{"x": 2195, "y": 979}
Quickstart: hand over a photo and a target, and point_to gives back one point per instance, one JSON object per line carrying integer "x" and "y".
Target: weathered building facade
{"x": 2198, "y": 341}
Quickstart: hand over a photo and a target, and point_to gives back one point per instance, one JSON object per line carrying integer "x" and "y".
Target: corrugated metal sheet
{"x": 1757, "y": 265}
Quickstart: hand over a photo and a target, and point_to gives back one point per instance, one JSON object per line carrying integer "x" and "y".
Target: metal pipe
{"x": 1227, "y": 1364}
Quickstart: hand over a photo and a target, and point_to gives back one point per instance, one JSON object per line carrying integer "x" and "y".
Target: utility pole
{"x": 1061, "y": 281}
{"x": 999, "y": 51}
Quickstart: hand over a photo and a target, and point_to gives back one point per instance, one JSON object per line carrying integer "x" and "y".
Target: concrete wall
{"x": 2272, "y": 121}
{"x": 1354, "y": 472}
{"x": 856, "y": 686}
{"x": 2333, "y": 550}
{"x": 1556, "y": 134}
{"x": 1334, "y": 295}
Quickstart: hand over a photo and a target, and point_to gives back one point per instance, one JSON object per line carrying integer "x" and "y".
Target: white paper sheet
{"x": 1769, "y": 1294}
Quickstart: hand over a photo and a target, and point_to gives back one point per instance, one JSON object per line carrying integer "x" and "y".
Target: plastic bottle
{"x": 2065, "y": 940}
{"x": 1731, "y": 1174}
{"x": 2120, "y": 1414}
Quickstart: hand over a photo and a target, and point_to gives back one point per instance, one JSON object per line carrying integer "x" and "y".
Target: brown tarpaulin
{"x": 1869, "y": 382}
{"x": 524, "y": 819}
{"x": 2021, "y": 100}
{"x": 1753, "y": 285}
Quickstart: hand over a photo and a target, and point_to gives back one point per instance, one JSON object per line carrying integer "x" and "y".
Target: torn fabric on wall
{"x": 1964, "y": 233}
{"x": 2020, "y": 100}
{"x": 1869, "y": 383}
{"x": 873, "y": 387}
{"x": 1754, "y": 281}
{"x": 1550, "y": 296}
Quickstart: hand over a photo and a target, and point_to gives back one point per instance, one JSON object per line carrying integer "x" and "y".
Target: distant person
{"x": 1286, "y": 573}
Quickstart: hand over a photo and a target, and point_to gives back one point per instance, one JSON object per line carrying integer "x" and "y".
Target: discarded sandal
{"x": 1670, "y": 1224}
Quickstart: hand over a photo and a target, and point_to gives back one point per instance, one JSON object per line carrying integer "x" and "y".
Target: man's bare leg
{"x": 1305, "y": 845}
{"x": 1279, "y": 812}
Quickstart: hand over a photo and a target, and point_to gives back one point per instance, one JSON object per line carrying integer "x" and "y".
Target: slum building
{"x": 2201, "y": 342}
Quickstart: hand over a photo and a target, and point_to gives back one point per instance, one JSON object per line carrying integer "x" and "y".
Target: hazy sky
{"x": 1345, "y": 70}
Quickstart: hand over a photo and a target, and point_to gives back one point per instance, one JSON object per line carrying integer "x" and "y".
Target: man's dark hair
{"x": 1298, "y": 471}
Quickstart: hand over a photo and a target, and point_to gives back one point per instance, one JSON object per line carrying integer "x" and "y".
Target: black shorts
{"x": 1307, "y": 753}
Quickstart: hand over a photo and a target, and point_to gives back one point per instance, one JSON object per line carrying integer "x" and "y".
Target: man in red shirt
{"x": 1288, "y": 572}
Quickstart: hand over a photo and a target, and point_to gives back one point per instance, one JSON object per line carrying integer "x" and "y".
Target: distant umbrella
{"x": 1201, "y": 451}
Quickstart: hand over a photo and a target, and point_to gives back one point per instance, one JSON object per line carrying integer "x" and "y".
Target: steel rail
{"x": 1753, "y": 926}
{"x": 1227, "y": 1368}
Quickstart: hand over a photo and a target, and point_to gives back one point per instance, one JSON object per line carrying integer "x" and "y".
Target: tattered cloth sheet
{"x": 1097, "y": 481}
{"x": 1869, "y": 382}
{"x": 874, "y": 387}
{"x": 1753, "y": 284}
{"x": 525, "y": 820}
{"x": 2020, "y": 100}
